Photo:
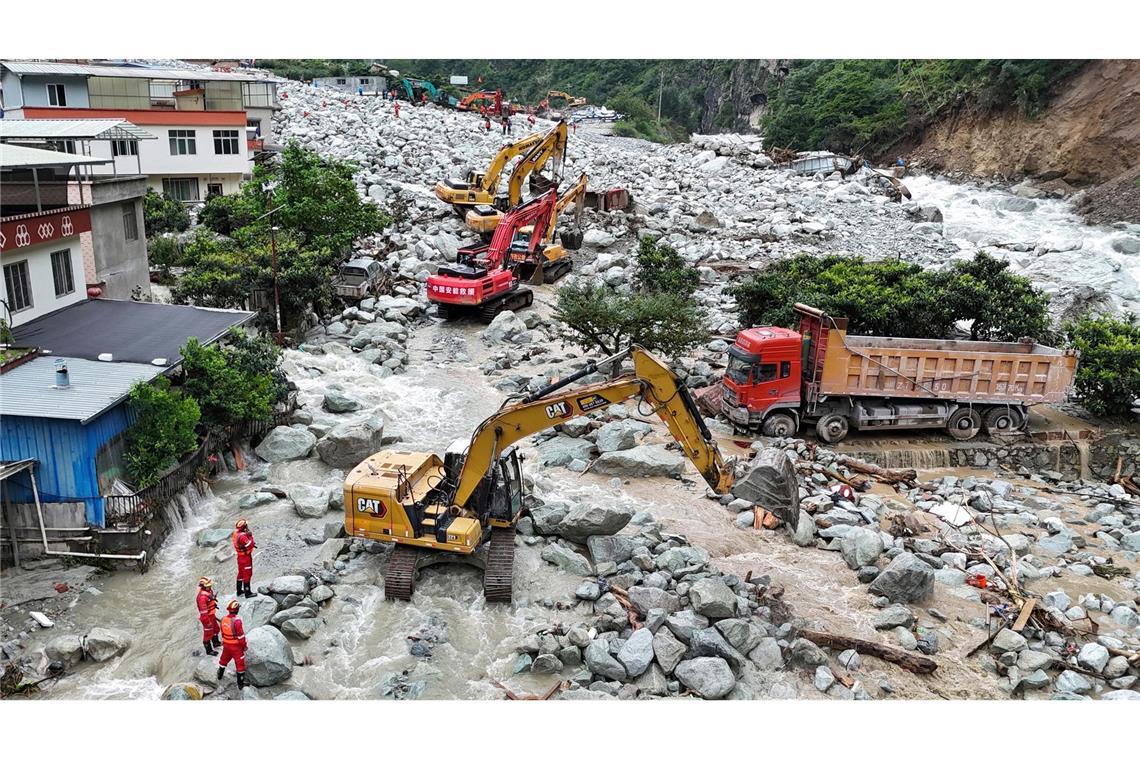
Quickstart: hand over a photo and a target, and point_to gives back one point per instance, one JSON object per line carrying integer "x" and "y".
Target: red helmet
{"x": 233, "y": 606}
{"x": 241, "y": 525}
{"x": 205, "y": 582}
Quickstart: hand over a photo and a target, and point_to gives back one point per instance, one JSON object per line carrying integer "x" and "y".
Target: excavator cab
{"x": 499, "y": 496}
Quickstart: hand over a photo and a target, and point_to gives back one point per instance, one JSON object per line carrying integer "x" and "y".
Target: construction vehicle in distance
{"x": 484, "y": 217}
{"x": 436, "y": 509}
{"x": 483, "y": 280}
{"x": 571, "y": 101}
{"x": 779, "y": 378}
{"x": 493, "y": 99}
{"x": 482, "y": 187}
{"x": 551, "y": 261}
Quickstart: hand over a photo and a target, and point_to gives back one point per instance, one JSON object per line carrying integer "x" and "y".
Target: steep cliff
{"x": 736, "y": 93}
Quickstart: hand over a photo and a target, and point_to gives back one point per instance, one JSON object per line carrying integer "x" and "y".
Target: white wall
{"x": 156, "y": 161}
{"x": 44, "y": 299}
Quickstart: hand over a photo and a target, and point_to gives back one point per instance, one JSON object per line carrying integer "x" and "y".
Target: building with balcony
{"x": 209, "y": 125}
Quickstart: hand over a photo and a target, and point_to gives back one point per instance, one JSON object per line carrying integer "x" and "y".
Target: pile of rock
{"x": 98, "y": 645}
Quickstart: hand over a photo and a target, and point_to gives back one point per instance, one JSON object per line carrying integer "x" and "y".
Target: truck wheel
{"x": 779, "y": 426}
{"x": 964, "y": 424}
{"x": 1002, "y": 419}
{"x": 831, "y": 428}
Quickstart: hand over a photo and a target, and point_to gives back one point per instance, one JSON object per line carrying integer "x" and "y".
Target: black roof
{"x": 131, "y": 331}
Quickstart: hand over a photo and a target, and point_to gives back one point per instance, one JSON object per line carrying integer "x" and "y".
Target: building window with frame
{"x": 226, "y": 142}
{"x": 61, "y": 273}
{"x": 130, "y": 221}
{"x": 255, "y": 125}
{"x": 64, "y": 146}
{"x": 124, "y": 147}
{"x": 57, "y": 95}
{"x": 183, "y": 142}
{"x": 213, "y": 188}
{"x": 341, "y": 81}
{"x": 181, "y": 188}
{"x": 18, "y": 285}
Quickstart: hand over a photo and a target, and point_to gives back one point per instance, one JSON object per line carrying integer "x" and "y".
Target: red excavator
{"x": 493, "y": 99}
{"x": 483, "y": 280}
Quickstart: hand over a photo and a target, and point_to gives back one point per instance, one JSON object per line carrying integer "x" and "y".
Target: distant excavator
{"x": 552, "y": 261}
{"x": 484, "y": 217}
{"x": 437, "y": 510}
{"x": 493, "y": 99}
{"x": 482, "y": 187}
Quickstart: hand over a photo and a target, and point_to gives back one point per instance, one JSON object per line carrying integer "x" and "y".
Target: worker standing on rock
{"x": 423, "y": 98}
{"x": 233, "y": 643}
{"x": 208, "y": 614}
{"x": 244, "y": 546}
{"x": 396, "y": 106}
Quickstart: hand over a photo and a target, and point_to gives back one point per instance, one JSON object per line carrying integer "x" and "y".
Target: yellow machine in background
{"x": 435, "y": 509}
{"x": 552, "y": 261}
{"x": 484, "y": 218}
{"x": 481, "y": 187}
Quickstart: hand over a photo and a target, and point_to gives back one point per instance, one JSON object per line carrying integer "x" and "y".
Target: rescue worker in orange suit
{"x": 423, "y": 98}
{"x": 244, "y": 546}
{"x": 233, "y": 644}
{"x": 208, "y": 614}
{"x": 396, "y": 107}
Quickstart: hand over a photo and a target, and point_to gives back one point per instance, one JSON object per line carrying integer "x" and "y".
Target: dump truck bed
{"x": 958, "y": 370}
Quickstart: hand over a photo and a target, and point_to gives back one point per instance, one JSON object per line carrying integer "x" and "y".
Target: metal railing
{"x": 133, "y": 510}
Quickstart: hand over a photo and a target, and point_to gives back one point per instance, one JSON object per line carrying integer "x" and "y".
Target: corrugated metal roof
{"x": 79, "y": 69}
{"x": 22, "y": 157}
{"x": 77, "y": 129}
{"x": 29, "y": 390}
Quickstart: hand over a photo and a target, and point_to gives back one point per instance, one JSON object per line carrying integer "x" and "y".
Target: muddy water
{"x": 363, "y": 639}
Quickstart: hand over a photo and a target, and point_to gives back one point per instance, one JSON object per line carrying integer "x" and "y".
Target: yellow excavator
{"x": 482, "y": 187}
{"x": 551, "y": 260}
{"x": 484, "y": 217}
{"x": 465, "y": 506}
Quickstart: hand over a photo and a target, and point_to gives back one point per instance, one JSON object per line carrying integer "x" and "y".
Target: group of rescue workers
{"x": 229, "y": 628}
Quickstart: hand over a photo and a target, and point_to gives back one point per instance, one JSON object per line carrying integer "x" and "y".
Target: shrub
{"x": 1108, "y": 376}
{"x": 164, "y": 253}
{"x": 225, "y": 214}
{"x": 161, "y": 213}
{"x": 163, "y": 432}
{"x": 228, "y": 391}
{"x": 660, "y": 269}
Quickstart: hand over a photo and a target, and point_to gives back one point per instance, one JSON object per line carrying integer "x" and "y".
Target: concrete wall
{"x": 120, "y": 263}
{"x": 32, "y": 91}
{"x": 44, "y": 299}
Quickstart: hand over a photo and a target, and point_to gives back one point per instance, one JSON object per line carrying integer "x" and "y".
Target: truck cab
{"x": 762, "y": 381}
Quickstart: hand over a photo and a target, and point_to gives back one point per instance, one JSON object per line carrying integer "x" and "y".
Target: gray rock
{"x": 1093, "y": 656}
{"x": 708, "y": 642}
{"x": 338, "y": 403}
{"x": 615, "y": 436}
{"x": 1037, "y": 679}
{"x": 561, "y": 450}
{"x": 570, "y": 561}
{"x": 906, "y": 579}
{"x": 1073, "y": 682}
{"x": 652, "y": 682}
{"x": 646, "y": 598}
{"x": 301, "y": 628}
{"x": 547, "y": 516}
{"x": 1008, "y": 641}
{"x": 711, "y": 598}
{"x": 1116, "y": 667}
{"x": 285, "y": 443}
{"x": 824, "y": 678}
{"x": 667, "y": 649}
{"x": 1030, "y": 660}
{"x": 588, "y": 590}
{"x": 68, "y": 650}
{"x": 1125, "y": 616}
{"x": 767, "y": 655}
{"x": 709, "y": 677}
{"x": 616, "y": 549}
{"x": 637, "y": 652}
{"x": 213, "y": 536}
{"x": 600, "y": 662}
{"x": 653, "y": 460}
{"x": 309, "y": 501}
{"x": 594, "y": 519}
{"x": 742, "y": 635}
{"x": 804, "y": 534}
{"x": 546, "y": 663}
{"x": 349, "y": 443}
{"x": 102, "y": 644}
{"x": 321, "y": 594}
{"x": 860, "y": 547}
{"x": 257, "y": 611}
{"x": 292, "y": 695}
{"x": 268, "y": 658}
{"x": 289, "y": 584}
{"x": 292, "y": 613}
{"x": 506, "y": 327}
{"x": 806, "y": 654}
{"x": 1119, "y": 694}
{"x": 894, "y": 616}
{"x": 684, "y": 623}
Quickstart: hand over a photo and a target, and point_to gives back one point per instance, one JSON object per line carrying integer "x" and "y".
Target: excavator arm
{"x": 552, "y": 146}
{"x": 574, "y": 194}
{"x": 537, "y": 213}
{"x": 651, "y": 381}
{"x": 490, "y": 179}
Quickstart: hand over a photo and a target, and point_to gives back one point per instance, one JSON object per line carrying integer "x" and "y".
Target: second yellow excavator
{"x": 465, "y": 506}
{"x": 484, "y": 217}
{"x": 551, "y": 261}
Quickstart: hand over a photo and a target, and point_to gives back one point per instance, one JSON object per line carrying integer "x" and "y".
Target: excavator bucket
{"x": 772, "y": 484}
{"x": 537, "y": 277}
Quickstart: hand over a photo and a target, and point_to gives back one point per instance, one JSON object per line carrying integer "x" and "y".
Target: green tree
{"x": 1108, "y": 375}
{"x": 1001, "y": 305}
{"x": 161, "y": 213}
{"x": 227, "y": 392}
{"x": 164, "y": 430}
{"x": 164, "y": 253}
{"x": 225, "y": 214}
{"x": 660, "y": 269}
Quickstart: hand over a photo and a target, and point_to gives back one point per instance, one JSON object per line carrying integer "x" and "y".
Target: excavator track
{"x": 400, "y": 574}
{"x": 499, "y": 573}
{"x": 516, "y": 299}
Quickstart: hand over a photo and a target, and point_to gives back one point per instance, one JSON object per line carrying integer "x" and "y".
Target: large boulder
{"x": 268, "y": 658}
{"x": 667, "y": 649}
{"x": 642, "y": 462}
{"x": 309, "y": 501}
{"x": 561, "y": 450}
{"x": 349, "y": 443}
{"x": 504, "y": 328}
{"x": 771, "y": 482}
{"x": 907, "y": 579}
{"x": 860, "y": 547}
{"x": 616, "y": 436}
{"x": 289, "y": 584}
{"x": 548, "y": 515}
{"x": 570, "y": 561}
{"x": 616, "y": 549}
{"x": 594, "y": 519}
{"x": 285, "y": 443}
{"x": 104, "y": 643}
{"x": 213, "y": 536}
{"x": 646, "y": 598}
{"x": 337, "y": 402}
{"x": 257, "y": 611}
{"x": 711, "y": 598}
{"x": 599, "y": 661}
{"x": 66, "y": 649}
{"x": 709, "y": 677}
{"x": 637, "y": 652}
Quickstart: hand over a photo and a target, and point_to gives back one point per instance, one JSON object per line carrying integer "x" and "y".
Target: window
{"x": 340, "y": 81}
{"x": 183, "y": 143}
{"x": 255, "y": 125}
{"x": 130, "y": 221}
{"x": 18, "y": 285}
{"x": 57, "y": 95}
{"x": 64, "y": 146}
{"x": 61, "y": 272}
{"x": 181, "y": 188}
{"x": 226, "y": 142}
{"x": 124, "y": 147}
{"x": 214, "y": 188}
{"x": 785, "y": 369}
{"x": 765, "y": 372}
{"x": 363, "y": 81}
{"x": 738, "y": 369}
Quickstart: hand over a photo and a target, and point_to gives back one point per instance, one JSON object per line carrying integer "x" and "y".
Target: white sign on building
{"x": 458, "y": 79}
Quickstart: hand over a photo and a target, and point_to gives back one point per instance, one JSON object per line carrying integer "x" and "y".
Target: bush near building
{"x": 165, "y": 430}
{"x": 233, "y": 384}
{"x": 161, "y": 213}
{"x": 1108, "y": 375}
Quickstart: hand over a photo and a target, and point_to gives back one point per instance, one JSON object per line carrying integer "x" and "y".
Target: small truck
{"x": 357, "y": 278}
{"x": 778, "y": 379}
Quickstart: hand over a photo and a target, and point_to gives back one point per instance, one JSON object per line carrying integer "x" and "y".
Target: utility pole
{"x": 660, "y": 90}
{"x": 278, "y": 336}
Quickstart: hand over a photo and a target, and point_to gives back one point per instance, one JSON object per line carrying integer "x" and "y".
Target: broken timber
{"x": 915, "y": 663}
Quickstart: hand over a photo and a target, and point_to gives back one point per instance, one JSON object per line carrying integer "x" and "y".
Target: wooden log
{"x": 879, "y": 473}
{"x": 913, "y": 662}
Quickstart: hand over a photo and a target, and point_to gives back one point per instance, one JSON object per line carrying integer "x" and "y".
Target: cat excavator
{"x": 481, "y": 187}
{"x": 465, "y": 506}
{"x": 484, "y": 218}
{"x": 551, "y": 261}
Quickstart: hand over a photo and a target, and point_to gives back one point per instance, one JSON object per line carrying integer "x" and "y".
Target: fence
{"x": 132, "y": 510}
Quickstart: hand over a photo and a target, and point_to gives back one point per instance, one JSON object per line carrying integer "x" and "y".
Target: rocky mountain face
{"x": 737, "y": 102}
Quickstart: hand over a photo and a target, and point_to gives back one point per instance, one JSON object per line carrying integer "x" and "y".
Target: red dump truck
{"x": 777, "y": 379}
